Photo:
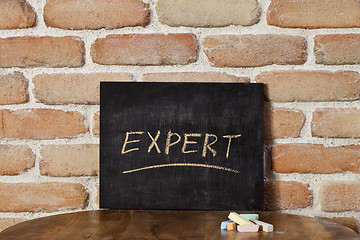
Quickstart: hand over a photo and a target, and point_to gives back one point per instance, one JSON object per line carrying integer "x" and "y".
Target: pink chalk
{"x": 248, "y": 228}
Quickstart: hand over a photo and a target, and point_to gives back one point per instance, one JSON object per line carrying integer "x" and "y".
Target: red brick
{"x": 336, "y": 123}
{"x": 315, "y": 158}
{"x": 73, "y": 88}
{"x": 70, "y": 160}
{"x": 41, "y": 52}
{"x": 340, "y": 196}
{"x": 16, "y": 14}
{"x": 254, "y": 50}
{"x": 96, "y": 128}
{"x": 48, "y": 197}
{"x": 283, "y": 123}
{"x": 145, "y": 49}
{"x": 15, "y": 159}
{"x": 96, "y": 14}
{"x": 13, "y": 89}
{"x": 8, "y": 222}
{"x": 289, "y": 86}
{"x": 314, "y": 13}
{"x": 349, "y": 222}
{"x": 286, "y": 195}
{"x": 193, "y": 77}
{"x": 208, "y": 13}
{"x": 42, "y": 124}
{"x": 337, "y": 49}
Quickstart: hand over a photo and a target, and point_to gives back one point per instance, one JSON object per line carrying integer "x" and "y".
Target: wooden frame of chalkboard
{"x": 195, "y": 146}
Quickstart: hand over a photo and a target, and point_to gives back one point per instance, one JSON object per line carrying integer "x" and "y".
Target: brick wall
{"x": 54, "y": 53}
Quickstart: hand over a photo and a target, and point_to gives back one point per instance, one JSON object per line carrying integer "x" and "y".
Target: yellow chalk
{"x": 266, "y": 227}
{"x": 238, "y": 219}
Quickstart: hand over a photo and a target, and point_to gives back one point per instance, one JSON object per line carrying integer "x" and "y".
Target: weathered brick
{"x": 73, "y": 88}
{"x": 208, "y": 13}
{"x": 193, "y": 77}
{"x": 13, "y": 89}
{"x": 69, "y": 160}
{"x": 336, "y": 123}
{"x": 41, "y": 52}
{"x": 315, "y": 158}
{"x": 283, "y": 123}
{"x": 254, "y": 50}
{"x": 286, "y": 195}
{"x": 96, "y": 127}
{"x": 340, "y": 196}
{"x": 337, "y": 49}
{"x": 48, "y": 197}
{"x": 42, "y": 124}
{"x": 15, "y": 159}
{"x": 289, "y": 86}
{"x": 97, "y": 200}
{"x": 96, "y": 14}
{"x": 314, "y": 13}
{"x": 2, "y": 133}
{"x": 349, "y": 222}
{"x": 16, "y": 14}
{"x": 145, "y": 49}
{"x": 8, "y": 222}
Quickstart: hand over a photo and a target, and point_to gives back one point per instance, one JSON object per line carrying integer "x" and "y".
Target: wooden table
{"x": 112, "y": 225}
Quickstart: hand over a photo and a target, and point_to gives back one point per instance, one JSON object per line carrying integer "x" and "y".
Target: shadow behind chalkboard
{"x": 139, "y": 179}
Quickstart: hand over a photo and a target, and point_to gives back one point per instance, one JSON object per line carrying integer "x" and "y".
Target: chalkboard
{"x": 196, "y": 146}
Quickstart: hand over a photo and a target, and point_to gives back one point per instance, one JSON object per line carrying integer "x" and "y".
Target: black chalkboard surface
{"x": 196, "y": 146}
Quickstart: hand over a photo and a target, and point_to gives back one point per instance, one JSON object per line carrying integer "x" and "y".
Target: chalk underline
{"x": 182, "y": 165}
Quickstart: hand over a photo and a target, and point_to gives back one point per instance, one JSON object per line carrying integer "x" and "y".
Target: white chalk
{"x": 266, "y": 227}
{"x": 238, "y": 219}
{"x": 248, "y": 228}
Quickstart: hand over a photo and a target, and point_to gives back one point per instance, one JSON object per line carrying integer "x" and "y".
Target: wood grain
{"x": 197, "y": 225}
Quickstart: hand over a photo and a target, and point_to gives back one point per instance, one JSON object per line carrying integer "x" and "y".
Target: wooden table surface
{"x": 123, "y": 224}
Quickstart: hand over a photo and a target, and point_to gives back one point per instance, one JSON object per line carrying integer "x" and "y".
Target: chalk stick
{"x": 231, "y": 226}
{"x": 266, "y": 227}
{"x": 224, "y": 224}
{"x": 248, "y": 228}
{"x": 239, "y": 220}
{"x": 249, "y": 216}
